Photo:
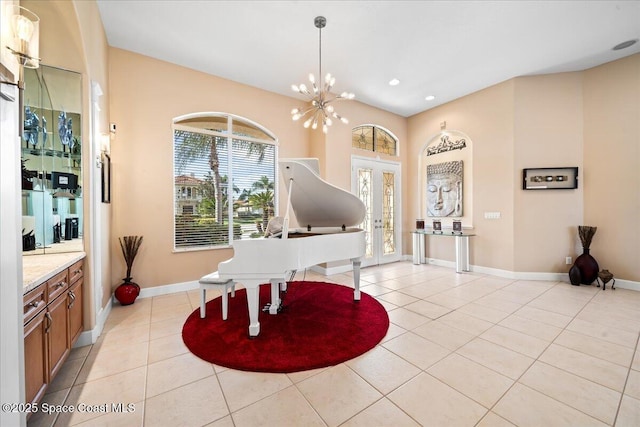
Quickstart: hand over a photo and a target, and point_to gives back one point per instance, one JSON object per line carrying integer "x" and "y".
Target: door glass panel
{"x": 388, "y": 212}
{"x": 364, "y": 193}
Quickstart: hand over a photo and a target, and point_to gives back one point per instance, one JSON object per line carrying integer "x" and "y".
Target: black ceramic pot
{"x": 588, "y": 267}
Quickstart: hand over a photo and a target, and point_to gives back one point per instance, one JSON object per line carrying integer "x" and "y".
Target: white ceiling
{"x": 443, "y": 48}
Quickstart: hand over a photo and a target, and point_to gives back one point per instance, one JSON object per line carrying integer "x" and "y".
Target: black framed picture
{"x": 437, "y": 225}
{"x": 106, "y": 178}
{"x": 550, "y": 178}
{"x": 457, "y": 226}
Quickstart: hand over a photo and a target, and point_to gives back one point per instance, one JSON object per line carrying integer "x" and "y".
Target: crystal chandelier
{"x": 321, "y": 110}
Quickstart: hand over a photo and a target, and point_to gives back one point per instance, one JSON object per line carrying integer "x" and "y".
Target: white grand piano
{"x": 327, "y": 216}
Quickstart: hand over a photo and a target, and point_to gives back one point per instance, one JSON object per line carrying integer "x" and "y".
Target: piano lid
{"x": 314, "y": 201}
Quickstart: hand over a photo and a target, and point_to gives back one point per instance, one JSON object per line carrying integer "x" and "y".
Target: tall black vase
{"x": 588, "y": 267}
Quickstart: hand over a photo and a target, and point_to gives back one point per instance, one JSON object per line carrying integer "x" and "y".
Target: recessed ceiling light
{"x": 625, "y": 45}
{"x": 394, "y": 82}
{"x": 430, "y": 98}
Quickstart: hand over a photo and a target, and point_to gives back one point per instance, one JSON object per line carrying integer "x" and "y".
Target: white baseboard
{"x": 625, "y": 284}
{"x": 168, "y": 289}
{"x": 91, "y": 336}
{"x": 523, "y": 275}
{"x": 328, "y": 271}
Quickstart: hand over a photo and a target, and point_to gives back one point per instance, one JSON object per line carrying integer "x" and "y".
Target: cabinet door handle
{"x": 34, "y": 304}
{"x": 61, "y": 285}
{"x": 73, "y": 299}
{"x": 50, "y": 322}
{"x": 77, "y": 272}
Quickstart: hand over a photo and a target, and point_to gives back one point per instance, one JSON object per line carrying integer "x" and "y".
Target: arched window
{"x": 229, "y": 162}
{"x": 374, "y": 138}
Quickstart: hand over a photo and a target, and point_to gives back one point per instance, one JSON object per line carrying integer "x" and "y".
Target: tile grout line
{"x": 626, "y": 381}
{"x": 537, "y": 359}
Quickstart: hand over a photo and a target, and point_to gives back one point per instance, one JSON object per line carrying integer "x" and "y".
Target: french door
{"x": 377, "y": 184}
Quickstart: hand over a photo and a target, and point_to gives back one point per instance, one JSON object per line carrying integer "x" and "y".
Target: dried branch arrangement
{"x": 586, "y": 234}
{"x": 130, "y": 246}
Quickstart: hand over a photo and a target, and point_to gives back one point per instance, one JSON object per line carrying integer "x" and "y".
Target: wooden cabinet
{"x": 58, "y": 334}
{"x": 52, "y": 324}
{"x": 34, "y": 302}
{"x": 35, "y": 357}
{"x": 74, "y": 300}
{"x": 57, "y": 285}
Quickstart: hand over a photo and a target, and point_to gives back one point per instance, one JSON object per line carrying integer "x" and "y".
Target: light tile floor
{"x": 462, "y": 350}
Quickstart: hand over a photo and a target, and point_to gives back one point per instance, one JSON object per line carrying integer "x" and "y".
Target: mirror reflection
{"x": 51, "y": 153}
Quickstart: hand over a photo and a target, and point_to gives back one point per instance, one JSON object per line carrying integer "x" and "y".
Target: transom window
{"x": 374, "y": 138}
{"x": 224, "y": 180}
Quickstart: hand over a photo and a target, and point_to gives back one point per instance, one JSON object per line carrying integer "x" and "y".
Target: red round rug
{"x": 320, "y": 325}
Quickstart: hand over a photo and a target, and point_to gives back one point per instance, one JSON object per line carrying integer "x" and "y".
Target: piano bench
{"x": 213, "y": 281}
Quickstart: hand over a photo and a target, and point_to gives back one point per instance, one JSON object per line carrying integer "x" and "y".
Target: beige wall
{"x": 96, "y": 49}
{"x": 145, "y": 95}
{"x": 548, "y": 133}
{"x": 487, "y": 118}
{"x": 588, "y": 119}
{"x": 612, "y": 164}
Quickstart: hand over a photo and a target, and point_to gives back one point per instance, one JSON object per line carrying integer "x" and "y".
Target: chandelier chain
{"x": 320, "y": 53}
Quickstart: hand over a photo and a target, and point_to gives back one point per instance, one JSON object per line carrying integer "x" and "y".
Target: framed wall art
{"x": 550, "y": 178}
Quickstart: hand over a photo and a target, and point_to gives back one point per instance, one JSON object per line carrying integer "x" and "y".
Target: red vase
{"x": 128, "y": 280}
{"x": 127, "y": 293}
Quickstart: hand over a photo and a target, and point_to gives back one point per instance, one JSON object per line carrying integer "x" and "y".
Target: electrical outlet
{"x": 492, "y": 215}
{"x": 568, "y": 260}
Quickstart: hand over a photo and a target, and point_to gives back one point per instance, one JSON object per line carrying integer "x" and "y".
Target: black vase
{"x": 574, "y": 275}
{"x": 588, "y": 267}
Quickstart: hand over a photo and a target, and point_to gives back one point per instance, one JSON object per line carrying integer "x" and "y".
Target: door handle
{"x": 50, "y": 322}
{"x": 73, "y": 299}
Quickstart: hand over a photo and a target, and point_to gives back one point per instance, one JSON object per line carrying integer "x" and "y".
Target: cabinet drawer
{"x": 34, "y": 302}
{"x": 76, "y": 271}
{"x": 57, "y": 285}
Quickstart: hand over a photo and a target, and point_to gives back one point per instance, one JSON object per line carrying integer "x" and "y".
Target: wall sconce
{"x": 25, "y": 28}
{"x": 25, "y": 46}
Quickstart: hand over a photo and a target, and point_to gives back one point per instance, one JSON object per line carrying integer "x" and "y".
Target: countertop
{"x": 37, "y": 269}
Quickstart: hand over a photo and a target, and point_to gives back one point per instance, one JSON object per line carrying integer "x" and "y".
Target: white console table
{"x": 462, "y": 246}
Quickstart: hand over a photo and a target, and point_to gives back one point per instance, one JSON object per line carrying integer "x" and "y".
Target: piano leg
{"x": 253, "y": 301}
{"x": 275, "y": 296}
{"x": 356, "y": 278}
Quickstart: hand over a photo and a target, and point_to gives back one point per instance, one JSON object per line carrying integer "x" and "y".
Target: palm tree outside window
{"x": 228, "y": 165}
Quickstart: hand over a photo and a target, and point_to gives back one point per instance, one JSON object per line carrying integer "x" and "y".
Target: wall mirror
{"x": 51, "y": 157}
